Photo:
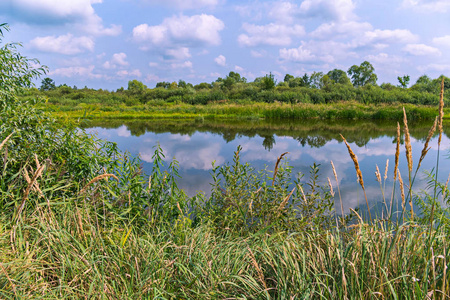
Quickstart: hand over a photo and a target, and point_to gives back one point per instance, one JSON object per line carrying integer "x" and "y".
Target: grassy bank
{"x": 272, "y": 111}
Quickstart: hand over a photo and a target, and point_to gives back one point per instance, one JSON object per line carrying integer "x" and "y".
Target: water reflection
{"x": 196, "y": 144}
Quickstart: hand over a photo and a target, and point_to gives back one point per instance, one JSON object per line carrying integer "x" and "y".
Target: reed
{"x": 94, "y": 180}
{"x": 358, "y": 173}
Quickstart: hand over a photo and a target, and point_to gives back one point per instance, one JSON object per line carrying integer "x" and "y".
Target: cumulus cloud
{"x": 59, "y": 12}
{"x": 442, "y": 41}
{"x": 258, "y": 54}
{"x": 421, "y": 49}
{"x": 300, "y": 54}
{"x": 84, "y": 72}
{"x": 271, "y": 34}
{"x": 126, "y": 73}
{"x": 183, "y": 65}
{"x": 440, "y": 6}
{"x": 63, "y": 44}
{"x": 338, "y": 10}
{"x": 197, "y": 30}
{"x": 389, "y": 36}
{"x": 178, "y": 53}
{"x": 221, "y": 60}
{"x": 118, "y": 59}
{"x": 339, "y": 29}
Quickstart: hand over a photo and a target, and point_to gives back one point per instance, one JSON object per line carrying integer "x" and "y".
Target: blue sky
{"x": 106, "y": 43}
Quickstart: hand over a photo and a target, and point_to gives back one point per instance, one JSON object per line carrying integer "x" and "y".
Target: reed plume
{"x": 425, "y": 146}
{"x": 276, "y": 167}
{"x": 257, "y": 267}
{"x": 358, "y": 171}
{"x": 5, "y": 140}
{"x": 99, "y": 177}
{"x": 377, "y": 174}
{"x": 386, "y": 169}
{"x": 402, "y": 189}
{"x": 407, "y": 142}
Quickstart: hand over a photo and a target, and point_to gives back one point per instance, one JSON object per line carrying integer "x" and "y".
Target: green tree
{"x": 16, "y": 73}
{"x": 404, "y": 81}
{"x": 288, "y": 77}
{"x": 47, "y": 84}
{"x": 182, "y": 84}
{"x": 316, "y": 80}
{"x": 135, "y": 87}
{"x": 339, "y": 76}
{"x": 363, "y": 74}
{"x": 268, "y": 82}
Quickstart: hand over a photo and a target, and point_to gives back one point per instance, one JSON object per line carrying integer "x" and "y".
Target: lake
{"x": 197, "y": 143}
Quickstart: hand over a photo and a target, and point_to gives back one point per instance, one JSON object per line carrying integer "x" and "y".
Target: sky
{"x": 106, "y": 43}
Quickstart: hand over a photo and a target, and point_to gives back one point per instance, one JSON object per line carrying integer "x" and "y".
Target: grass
{"x": 341, "y": 110}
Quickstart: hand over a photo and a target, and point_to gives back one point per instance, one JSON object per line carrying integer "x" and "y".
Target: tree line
{"x": 359, "y": 83}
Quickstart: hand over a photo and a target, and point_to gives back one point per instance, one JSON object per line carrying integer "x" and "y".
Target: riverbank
{"x": 269, "y": 111}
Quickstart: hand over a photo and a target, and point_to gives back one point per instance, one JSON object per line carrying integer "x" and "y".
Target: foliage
{"x": 363, "y": 74}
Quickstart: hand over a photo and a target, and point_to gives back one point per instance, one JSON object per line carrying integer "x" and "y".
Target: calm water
{"x": 196, "y": 144}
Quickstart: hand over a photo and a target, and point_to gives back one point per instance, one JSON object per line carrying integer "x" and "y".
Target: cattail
{"x": 355, "y": 161}
{"x": 5, "y": 140}
{"x": 407, "y": 142}
{"x": 425, "y": 146}
{"x": 402, "y": 189}
{"x": 441, "y": 111}
{"x": 331, "y": 187}
{"x": 397, "y": 152}
{"x": 377, "y": 173}
{"x": 276, "y": 167}
{"x": 386, "y": 169}
{"x": 99, "y": 177}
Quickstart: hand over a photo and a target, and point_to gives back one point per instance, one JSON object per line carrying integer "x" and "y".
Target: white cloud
{"x": 390, "y": 36}
{"x": 183, "y": 65}
{"x": 153, "y": 64}
{"x": 340, "y": 29}
{"x": 271, "y": 34}
{"x": 258, "y": 54}
{"x": 178, "y": 53}
{"x": 221, "y": 60}
{"x": 385, "y": 59}
{"x": 239, "y": 69}
{"x": 125, "y": 73}
{"x": 434, "y": 67}
{"x": 338, "y": 10}
{"x": 283, "y": 12}
{"x": 79, "y": 12}
{"x": 185, "y": 4}
{"x": 421, "y": 49}
{"x": 63, "y": 44}
{"x": 300, "y": 54}
{"x": 442, "y": 41}
{"x": 439, "y": 6}
{"x": 118, "y": 59}
{"x": 83, "y": 72}
{"x": 197, "y": 30}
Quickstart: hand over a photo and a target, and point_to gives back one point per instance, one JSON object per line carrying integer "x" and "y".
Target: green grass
{"x": 341, "y": 110}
